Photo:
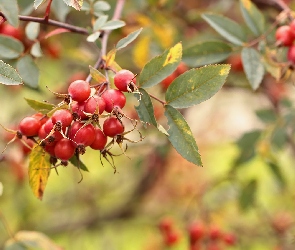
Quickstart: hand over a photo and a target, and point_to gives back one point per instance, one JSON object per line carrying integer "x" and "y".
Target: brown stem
{"x": 157, "y": 99}
{"x": 51, "y": 22}
{"x": 105, "y": 37}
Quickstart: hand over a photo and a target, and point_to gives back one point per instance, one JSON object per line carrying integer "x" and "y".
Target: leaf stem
{"x": 157, "y": 99}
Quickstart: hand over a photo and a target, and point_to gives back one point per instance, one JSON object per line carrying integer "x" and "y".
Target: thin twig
{"x": 156, "y": 98}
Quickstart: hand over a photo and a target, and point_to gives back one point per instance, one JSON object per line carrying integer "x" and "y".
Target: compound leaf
{"x": 9, "y": 75}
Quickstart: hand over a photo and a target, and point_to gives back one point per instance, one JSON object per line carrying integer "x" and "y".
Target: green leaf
{"x": 160, "y": 67}
{"x": 8, "y": 75}
{"x": 196, "y": 85}
{"x": 76, "y": 4}
{"x": 42, "y": 107}
{"x": 10, "y": 9}
{"x": 145, "y": 109}
{"x": 128, "y": 39}
{"x": 248, "y": 195}
{"x": 99, "y": 22}
{"x": 247, "y": 144}
{"x": 93, "y": 37}
{"x": 96, "y": 75}
{"x": 28, "y": 71}
{"x": 60, "y": 9}
{"x": 10, "y": 48}
{"x": 36, "y": 50}
{"x": 39, "y": 170}
{"x": 253, "y": 17}
{"x": 101, "y": 6}
{"x": 253, "y": 67}
{"x": 32, "y": 30}
{"x": 113, "y": 24}
{"x": 276, "y": 171}
{"x": 30, "y": 240}
{"x": 206, "y": 53}
{"x": 37, "y": 3}
{"x": 78, "y": 163}
{"x": 226, "y": 27}
{"x": 279, "y": 137}
{"x": 266, "y": 115}
{"x": 181, "y": 137}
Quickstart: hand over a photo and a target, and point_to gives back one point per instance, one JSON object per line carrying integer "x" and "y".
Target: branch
{"x": 51, "y": 22}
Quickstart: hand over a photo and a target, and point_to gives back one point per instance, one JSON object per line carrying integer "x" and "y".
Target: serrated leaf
{"x": 25, "y": 240}
{"x": 60, "y": 9}
{"x": 42, "y": 107}
{"x": 248, "y": 195}
{"x": 10, "y": 9}
{"x": 253, "y": 67}
{"x": 78, "y": 163}
{"x": 113, "y": 24}
{"x": 196, "y": 85}
{"x": 29, "y": 71}
{"x": 32, "y": 30}
{"x": 181, "y": 137}
{"x": 96, "y": 75}
{"x": 8, "y": 75}
{"x": 226, "y": 27}
{"x": 76, "y": 4}
{"x": 37, "y": 3}
{"x": 36, "y": 50}
{"x": 99, "y": 22}
{"x": 145, "y": 109}
{"x": 128, "y": 39}
{"x": 206, "y": 53}
{"x": 253, "y": 17}
{"x": 160, "y": 67}
{"x": 39, "y": 170}
{"x": 10, "y": 48}
{"x": 110, "y": 57}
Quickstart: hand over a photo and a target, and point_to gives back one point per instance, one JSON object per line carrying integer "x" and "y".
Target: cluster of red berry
{"x": 75, "y": 122}
{"x": 199, "y": 236}
{"x": 285, "y": 36}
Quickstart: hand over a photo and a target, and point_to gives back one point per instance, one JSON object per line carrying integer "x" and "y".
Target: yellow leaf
{"x": 174, "y": 55}
{"x": 165, "y": 34}
{"x": 39, "y": 170}
{"x": 141, "y": 51}
{"x": 110, "y": 58}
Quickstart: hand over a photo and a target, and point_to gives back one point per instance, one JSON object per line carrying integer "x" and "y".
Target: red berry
{"x": 63, "y": 116}
{"x": 29, "y": 126}
{"x": 48, "y": 126}
{"x": 99, "y": 141}
{"x": 79, "y": 90}
{"x": 168, "y": 80}
{"x": 42, "y": 118}
{"x": 42, "y": 133}
{"x": 284, "y": 35}
{"x": 113, "y": 98}
{"x": 82, "y": 135}
{"x": 95, "y": 104}
{"x": 8, "y": 30}
{"x": 215, "y": 233}
{"x": 213, "y": 246}
{"x": 292, "y": 27}
{"x": 236, "y": 62}
{"x": 230, "y": 239}
{"x": 181, "y": 68}
{"x": 50, "y": 149}
{"x": 78, "y": 109}
{"x": 123, "y": 78}
{"x": 291, "y": 54}
{"x": 64, "y": 149}
{"x": 166, "y": 225}
{"x": 196, "y": 232}
{"x": 112, "y": 127}
{"x": 28, "y": 147}
{"x": 171, "y": 238}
